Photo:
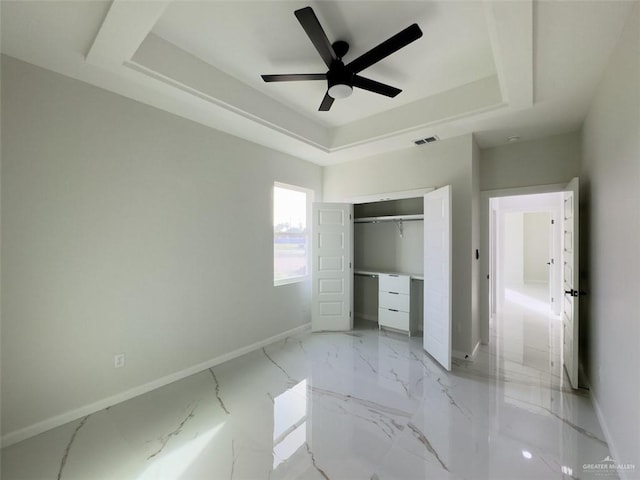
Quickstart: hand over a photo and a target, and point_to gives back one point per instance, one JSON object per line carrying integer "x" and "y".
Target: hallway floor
{"x": 358, "y": 405}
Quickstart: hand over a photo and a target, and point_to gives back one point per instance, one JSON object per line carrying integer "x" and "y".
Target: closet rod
{"x": 389, "y": 218}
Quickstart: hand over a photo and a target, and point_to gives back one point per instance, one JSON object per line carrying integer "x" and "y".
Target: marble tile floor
{"x": 357, "y": 405}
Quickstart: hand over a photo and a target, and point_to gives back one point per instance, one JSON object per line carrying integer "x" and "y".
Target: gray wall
{"x": 610, "y": 234}
{"x": 449, "y": 162}
{"x": 536, "y": 162}
{"x": 0, "y": 251}
{"x": 127, "y": 229}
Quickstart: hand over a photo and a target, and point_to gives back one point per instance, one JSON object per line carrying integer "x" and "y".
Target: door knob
{"x": 575, "y": 293}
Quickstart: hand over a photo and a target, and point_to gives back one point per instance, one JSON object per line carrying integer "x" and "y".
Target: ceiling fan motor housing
{"x": 340, "y": 48}
{"x": 340, "y": 80}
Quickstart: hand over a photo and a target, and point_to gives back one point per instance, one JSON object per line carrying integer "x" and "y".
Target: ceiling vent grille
{"x": 423, "y": 141}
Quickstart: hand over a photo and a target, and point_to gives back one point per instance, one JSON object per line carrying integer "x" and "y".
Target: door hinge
{"x": 349, "y": 265}
{"x": 349, "y": 313}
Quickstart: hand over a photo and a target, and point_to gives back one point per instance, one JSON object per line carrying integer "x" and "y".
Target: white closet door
{"x": 331, "y": 267}
{"x": 570, "y": 271}
{"x": 437, "y": 275}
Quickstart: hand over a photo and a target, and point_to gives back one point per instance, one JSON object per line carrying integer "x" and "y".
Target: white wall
{"x": 379, "y": 246}
{"x": 512, "y": 249}
{"x": 475, "y": 243}
{"x": 448, "y": 162}
{"x": 537, "y": 162}
{"x": 536, "y": 252}
{"x": 610, "y": 231}
{"x": 127, "y": 229}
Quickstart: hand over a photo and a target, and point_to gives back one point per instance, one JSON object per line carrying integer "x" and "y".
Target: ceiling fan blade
{"x": 386, "y": 48}
{"x": 294, "y": 77}
{"x": 327, "y": 101}
{"x": 316, "y": 34}
{"x": 375, "y": 87}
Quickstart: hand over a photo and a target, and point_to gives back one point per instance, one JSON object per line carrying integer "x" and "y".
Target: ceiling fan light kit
{"x": 342, "y": 78}
{"x": 340, "y": 90}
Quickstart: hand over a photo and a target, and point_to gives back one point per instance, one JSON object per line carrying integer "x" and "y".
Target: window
{"x": 291, "y": 209}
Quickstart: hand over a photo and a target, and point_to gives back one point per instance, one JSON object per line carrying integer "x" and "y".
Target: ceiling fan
{"x": 342, "y": 78}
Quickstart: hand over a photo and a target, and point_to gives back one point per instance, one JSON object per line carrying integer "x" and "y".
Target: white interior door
{"x": 570, "y": 283}
{"x": 332, "y": 274}
{"x": 437, "y": 275}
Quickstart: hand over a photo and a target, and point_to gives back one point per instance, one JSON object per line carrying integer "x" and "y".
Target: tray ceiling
{"x": 494, "y": 69}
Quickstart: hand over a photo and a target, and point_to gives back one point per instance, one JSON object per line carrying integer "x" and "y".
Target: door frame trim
{"x": 485, "y": 265}
{"x": 384, "y": 197}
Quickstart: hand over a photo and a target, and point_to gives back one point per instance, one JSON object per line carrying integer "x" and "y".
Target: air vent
{"x": 422, "y": 141}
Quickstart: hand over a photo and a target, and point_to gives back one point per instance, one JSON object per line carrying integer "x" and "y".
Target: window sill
{"x": 288, "y": 281}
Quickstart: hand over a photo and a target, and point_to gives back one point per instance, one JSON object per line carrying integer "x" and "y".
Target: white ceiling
{"x": 494, "y": 69}
{"x": 245, "y": 39}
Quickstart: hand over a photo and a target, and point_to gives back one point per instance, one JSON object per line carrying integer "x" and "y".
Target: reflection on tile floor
{"x": 356, "y": 405}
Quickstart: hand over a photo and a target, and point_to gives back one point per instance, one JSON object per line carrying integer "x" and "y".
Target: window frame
{"x": 308, "y": 212}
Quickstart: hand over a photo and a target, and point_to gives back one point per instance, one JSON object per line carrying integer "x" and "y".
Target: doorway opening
{"x": 525, "y": 288}
{"x": 525, "y": 236}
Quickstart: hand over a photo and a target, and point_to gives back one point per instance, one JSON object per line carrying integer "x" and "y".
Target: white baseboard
{"x": 603, "y": 424}
{"x": 53, "y": 422}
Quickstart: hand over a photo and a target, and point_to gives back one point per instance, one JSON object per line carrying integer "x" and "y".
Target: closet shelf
{"x": 377, "y": 273}
{"x": 389, "y": 218}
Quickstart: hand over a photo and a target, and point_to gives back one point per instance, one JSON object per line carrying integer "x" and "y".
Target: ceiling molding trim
{"x": 474, "y": 98}
{"x": 171, "y": 64}
{"x": 123, "y": 30}
{"x": 510, "y": 27}
{"x": 174, "y": 84}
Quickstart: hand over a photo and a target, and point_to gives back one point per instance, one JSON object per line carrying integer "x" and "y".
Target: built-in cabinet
{"x": 394, "y": 301}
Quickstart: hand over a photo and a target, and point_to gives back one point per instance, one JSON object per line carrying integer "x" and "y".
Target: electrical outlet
{"x": 118, "y": 360}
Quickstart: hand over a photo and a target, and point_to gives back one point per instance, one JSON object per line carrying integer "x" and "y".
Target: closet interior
{"x": 389, "y": 262}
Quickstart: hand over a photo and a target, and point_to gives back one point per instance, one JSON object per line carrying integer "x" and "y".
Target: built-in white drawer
{"x": 393, "y": 319}
{"x": 395, "y": 301}
{"x": 388, "y": 282}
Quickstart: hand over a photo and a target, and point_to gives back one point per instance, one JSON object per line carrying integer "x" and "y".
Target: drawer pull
{"x": 394, "y": 293}
{"x": 393, "y": 310}
{"x": 392, "y": 275}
